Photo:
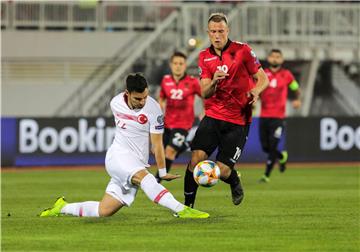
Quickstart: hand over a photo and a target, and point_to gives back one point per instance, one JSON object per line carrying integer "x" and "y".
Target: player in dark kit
{"x": 273, "y": 105}
{"x": 231, "y": 81}
{"x": 177, "y": 96}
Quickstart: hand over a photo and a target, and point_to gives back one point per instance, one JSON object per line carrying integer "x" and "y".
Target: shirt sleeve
{"x": 114, "y": 109}
{"x": 292, "y": 83}
{"x": 162, "y": 91}
{"x": 204, "y": 72}
{"x": 156, "y": 120}
{"x": 252, "y": 63}
{"x": 197, "y": 88}
{"x": 290, "y": 77}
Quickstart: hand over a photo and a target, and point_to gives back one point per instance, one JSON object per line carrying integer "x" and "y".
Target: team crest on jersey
{"x": 254, "y": 56}
{"x": 253, "y": 53}
{"x": 142, "y": 119}
{"x": 160, "y": 119}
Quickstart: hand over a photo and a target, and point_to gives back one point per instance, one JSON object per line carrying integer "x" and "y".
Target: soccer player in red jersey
{"x": 177, "y": 95}
{"x": 231, "y": 81}
{"x": 273, "y": 105}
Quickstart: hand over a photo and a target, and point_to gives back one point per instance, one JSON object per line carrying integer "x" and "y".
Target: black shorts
{"x": 176, "y": 138}
{"x": 228, "y": 137}
{"x": 271, "y": 130}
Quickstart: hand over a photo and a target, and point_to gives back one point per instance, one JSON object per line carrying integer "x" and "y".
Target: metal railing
{"x": 159, "y": 45}
{"x": 295, "y": 25}
{"x": 82, "y": 14}
{"x": 73, "y": 105}
{"x": 93, "y": 96}
{"x": 306, "y": 28}
{"x": 299, "y": 24}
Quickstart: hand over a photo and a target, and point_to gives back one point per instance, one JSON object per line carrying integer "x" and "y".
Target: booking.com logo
{"x": 331, "y": 135}
{"x": 68, "y": 139}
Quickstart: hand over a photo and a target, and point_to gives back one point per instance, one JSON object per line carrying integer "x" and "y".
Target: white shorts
{"x": 121, "y": 166}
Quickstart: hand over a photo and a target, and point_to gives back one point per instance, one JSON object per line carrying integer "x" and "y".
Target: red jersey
{"x": 273, "y": 98}
{"x": 230, "y": 102}
{"x": 179, "y": 97}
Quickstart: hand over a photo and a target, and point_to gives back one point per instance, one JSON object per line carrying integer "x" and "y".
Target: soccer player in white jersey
{"x": 138, "y": 119}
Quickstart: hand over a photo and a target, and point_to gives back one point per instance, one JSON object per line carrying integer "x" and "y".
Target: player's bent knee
{"x": 105, "y": 211}
{"x": 109, "y": 205}
{"x": 196, "y": 157}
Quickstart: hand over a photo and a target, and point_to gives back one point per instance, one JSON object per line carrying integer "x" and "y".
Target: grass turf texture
{"x": 305, "y": 209}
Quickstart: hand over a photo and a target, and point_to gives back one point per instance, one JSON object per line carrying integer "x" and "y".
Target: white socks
{"x": 159, "y": 194}
{"x": 155, "y": 192}
{"x": 82, "y": 209}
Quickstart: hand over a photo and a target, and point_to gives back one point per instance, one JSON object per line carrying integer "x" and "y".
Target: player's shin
{"x": 82, "y": 209}
{"x": 270, "y": 162}
{"x": 159, "y": 194}
{"x": 233, "y": 179}
{"x": 269, "y": 167}
{"x": 190, "y": 188}
{"x": 168, "y": 163}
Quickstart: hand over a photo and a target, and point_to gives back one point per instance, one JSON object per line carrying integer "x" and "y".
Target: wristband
{"x": 162, "y": 172}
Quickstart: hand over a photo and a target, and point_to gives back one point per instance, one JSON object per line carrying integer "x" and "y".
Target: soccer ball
{"x": 206, "y": 173}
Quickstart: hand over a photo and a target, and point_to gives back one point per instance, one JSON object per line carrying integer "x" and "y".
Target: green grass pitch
{"x": 304, "y": 209}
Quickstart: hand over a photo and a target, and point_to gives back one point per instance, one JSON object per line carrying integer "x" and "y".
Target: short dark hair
{"x": 136, "y": 82}
{"x": 217, "y": 17}
{"x": 178, "y": 54}
{"x": 274, "y": 50}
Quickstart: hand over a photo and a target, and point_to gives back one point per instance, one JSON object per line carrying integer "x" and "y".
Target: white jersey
{"x": 133, "y": 126}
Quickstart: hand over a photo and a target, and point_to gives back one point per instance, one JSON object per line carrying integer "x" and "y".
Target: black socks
{"x": 233, "y": 179}
{"x": 190, "y": 188}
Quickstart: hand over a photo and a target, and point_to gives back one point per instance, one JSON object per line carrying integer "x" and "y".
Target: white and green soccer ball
{"x": 207, "y": 173}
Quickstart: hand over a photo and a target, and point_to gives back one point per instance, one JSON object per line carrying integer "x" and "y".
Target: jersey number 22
{"x": 176, "y": 94}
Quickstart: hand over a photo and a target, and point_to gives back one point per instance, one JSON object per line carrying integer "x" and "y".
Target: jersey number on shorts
{"x": 278, "y": 132}
{"x": 176, "y": 94}
{"x": 237, "y": 153}
{"x": 178, "y": 140}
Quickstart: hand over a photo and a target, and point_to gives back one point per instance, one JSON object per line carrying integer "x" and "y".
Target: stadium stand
{"x": 112, "y": 38}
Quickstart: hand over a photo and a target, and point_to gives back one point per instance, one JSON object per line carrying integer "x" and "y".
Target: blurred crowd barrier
{"x": 84, "y": 141}
{"x": 81, "y": 14}
{"x": 257, "y": 22}
{"x": 143, "y": 34}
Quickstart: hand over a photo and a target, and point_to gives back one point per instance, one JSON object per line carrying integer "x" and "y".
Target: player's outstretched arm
{"x": 262, "y": 82}
{"x": 294, "y": 87}
{"x": 158, "y": 149}
{"x": 296, "y": 103}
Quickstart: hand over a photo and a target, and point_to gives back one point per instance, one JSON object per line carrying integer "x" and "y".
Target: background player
{"x": 177, "y": 95}
{"x": 136, "y": 117}
{"x": 273, "y": 105}
{"x": 228, "y": 71}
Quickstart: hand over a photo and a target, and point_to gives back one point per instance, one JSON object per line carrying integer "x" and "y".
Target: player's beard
{"x": 275, "y": 65}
